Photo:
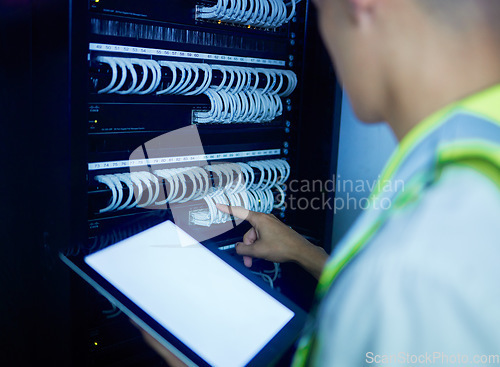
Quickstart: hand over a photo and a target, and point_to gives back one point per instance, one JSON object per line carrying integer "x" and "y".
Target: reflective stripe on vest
{"x": 481, "y": 153}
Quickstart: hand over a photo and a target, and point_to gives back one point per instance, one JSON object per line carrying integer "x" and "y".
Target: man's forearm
{"x": 313, "y": 259}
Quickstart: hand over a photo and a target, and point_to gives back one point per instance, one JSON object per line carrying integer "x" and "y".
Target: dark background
{"x": 43, "y": 184}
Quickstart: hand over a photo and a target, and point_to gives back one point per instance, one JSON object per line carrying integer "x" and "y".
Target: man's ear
{"x": 360, "y": 8}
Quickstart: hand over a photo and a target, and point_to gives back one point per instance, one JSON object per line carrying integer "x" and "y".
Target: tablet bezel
{"x": 269, "y": 354}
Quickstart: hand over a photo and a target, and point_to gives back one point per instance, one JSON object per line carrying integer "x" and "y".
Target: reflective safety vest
{"x": 479, "y": 150}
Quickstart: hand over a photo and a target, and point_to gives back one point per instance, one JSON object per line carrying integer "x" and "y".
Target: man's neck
{"x": 450, "y": 71}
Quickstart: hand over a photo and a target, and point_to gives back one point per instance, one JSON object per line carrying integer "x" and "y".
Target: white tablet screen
{"x": 213, "y": 309}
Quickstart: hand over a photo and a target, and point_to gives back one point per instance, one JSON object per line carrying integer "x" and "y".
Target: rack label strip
{"x": 183, "y": 54}
{"x": 190, "y": 158}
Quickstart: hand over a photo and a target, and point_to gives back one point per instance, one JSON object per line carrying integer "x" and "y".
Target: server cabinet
{"x": 139, "y": 109}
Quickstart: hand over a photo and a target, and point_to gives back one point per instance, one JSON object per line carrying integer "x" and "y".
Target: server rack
{"x": 84, "y": 134}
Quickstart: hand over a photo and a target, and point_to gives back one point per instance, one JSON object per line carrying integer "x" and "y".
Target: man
{"x": 416, "y": 283}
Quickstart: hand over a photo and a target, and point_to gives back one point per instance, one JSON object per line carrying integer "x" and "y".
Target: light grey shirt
{"x": 426, "y": 289}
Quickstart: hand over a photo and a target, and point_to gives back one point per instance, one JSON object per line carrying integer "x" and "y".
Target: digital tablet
{"x": 198, "y": 302}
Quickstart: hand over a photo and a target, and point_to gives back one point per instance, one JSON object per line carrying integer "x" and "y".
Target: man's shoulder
{"x": 453, "y": 226}
{"x": 462, "y": 203}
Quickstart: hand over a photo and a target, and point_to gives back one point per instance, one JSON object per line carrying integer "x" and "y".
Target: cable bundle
{"x": 151, "y": 71}
{"x": 193, "y": 78}
{"x": 244, "y": 184}
{"x": 139, "y": 180}
{"x": 250, "y": 193}
{"x": 255, "y": 200}
{"x": 238, "y": 98}
{"x": 238, "y": 94}
{"x": 241, "y": 107}
{"x": 258, "y": 13}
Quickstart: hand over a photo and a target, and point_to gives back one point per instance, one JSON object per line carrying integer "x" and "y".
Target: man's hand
{"x": 272, "y": 240}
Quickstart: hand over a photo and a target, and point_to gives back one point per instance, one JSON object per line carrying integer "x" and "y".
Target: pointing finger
{"x": 239, "y": 212}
